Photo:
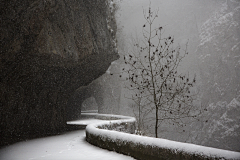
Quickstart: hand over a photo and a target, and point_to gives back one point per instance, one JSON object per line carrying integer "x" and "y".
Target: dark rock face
{"x": 48, "y": 50}
{"x": 106, "y": 92}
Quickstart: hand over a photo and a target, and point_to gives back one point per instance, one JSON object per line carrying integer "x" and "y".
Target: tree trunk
{"x": 156, "y": 125}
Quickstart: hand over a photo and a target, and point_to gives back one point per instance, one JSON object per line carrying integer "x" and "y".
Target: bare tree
{"x": 152, "y": 70}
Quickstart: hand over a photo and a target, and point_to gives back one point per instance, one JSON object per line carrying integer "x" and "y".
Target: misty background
{"x": 212, "y": 31}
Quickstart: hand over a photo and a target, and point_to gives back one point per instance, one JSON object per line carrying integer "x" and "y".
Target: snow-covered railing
{"x": 145, "y": 148}
{"x": 115, "y": 122}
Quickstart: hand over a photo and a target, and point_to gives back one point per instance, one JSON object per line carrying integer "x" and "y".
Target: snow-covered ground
{"x": 69, "y": 146}
{"x": 84, "y": 121}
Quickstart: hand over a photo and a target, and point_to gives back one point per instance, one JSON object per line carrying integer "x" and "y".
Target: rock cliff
{"x": 219, "y": 62}
{"x": 218, "y": 52}
{"x": 48, "y": 50}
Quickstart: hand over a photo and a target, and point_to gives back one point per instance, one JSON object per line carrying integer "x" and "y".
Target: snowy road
{"x": 69, "y": 146}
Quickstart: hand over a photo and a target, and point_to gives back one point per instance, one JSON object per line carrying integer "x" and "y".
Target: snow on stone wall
{"x": 142, "y": 147}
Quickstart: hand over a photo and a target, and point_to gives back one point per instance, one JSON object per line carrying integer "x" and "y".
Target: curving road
{"x": 69, "y": 146}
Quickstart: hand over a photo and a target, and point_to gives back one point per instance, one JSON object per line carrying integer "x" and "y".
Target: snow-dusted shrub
{"x": 145, "y": 148}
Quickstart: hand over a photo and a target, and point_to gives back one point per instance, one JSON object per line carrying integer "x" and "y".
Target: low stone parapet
{"x": 117, "y": 135}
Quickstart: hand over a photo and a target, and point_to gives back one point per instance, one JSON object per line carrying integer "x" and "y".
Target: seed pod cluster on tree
{"x": 152, "y": 70}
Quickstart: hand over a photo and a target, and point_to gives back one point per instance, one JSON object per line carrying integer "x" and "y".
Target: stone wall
{"x": 48, "y": 50}
{"x": 106, "y": 135}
